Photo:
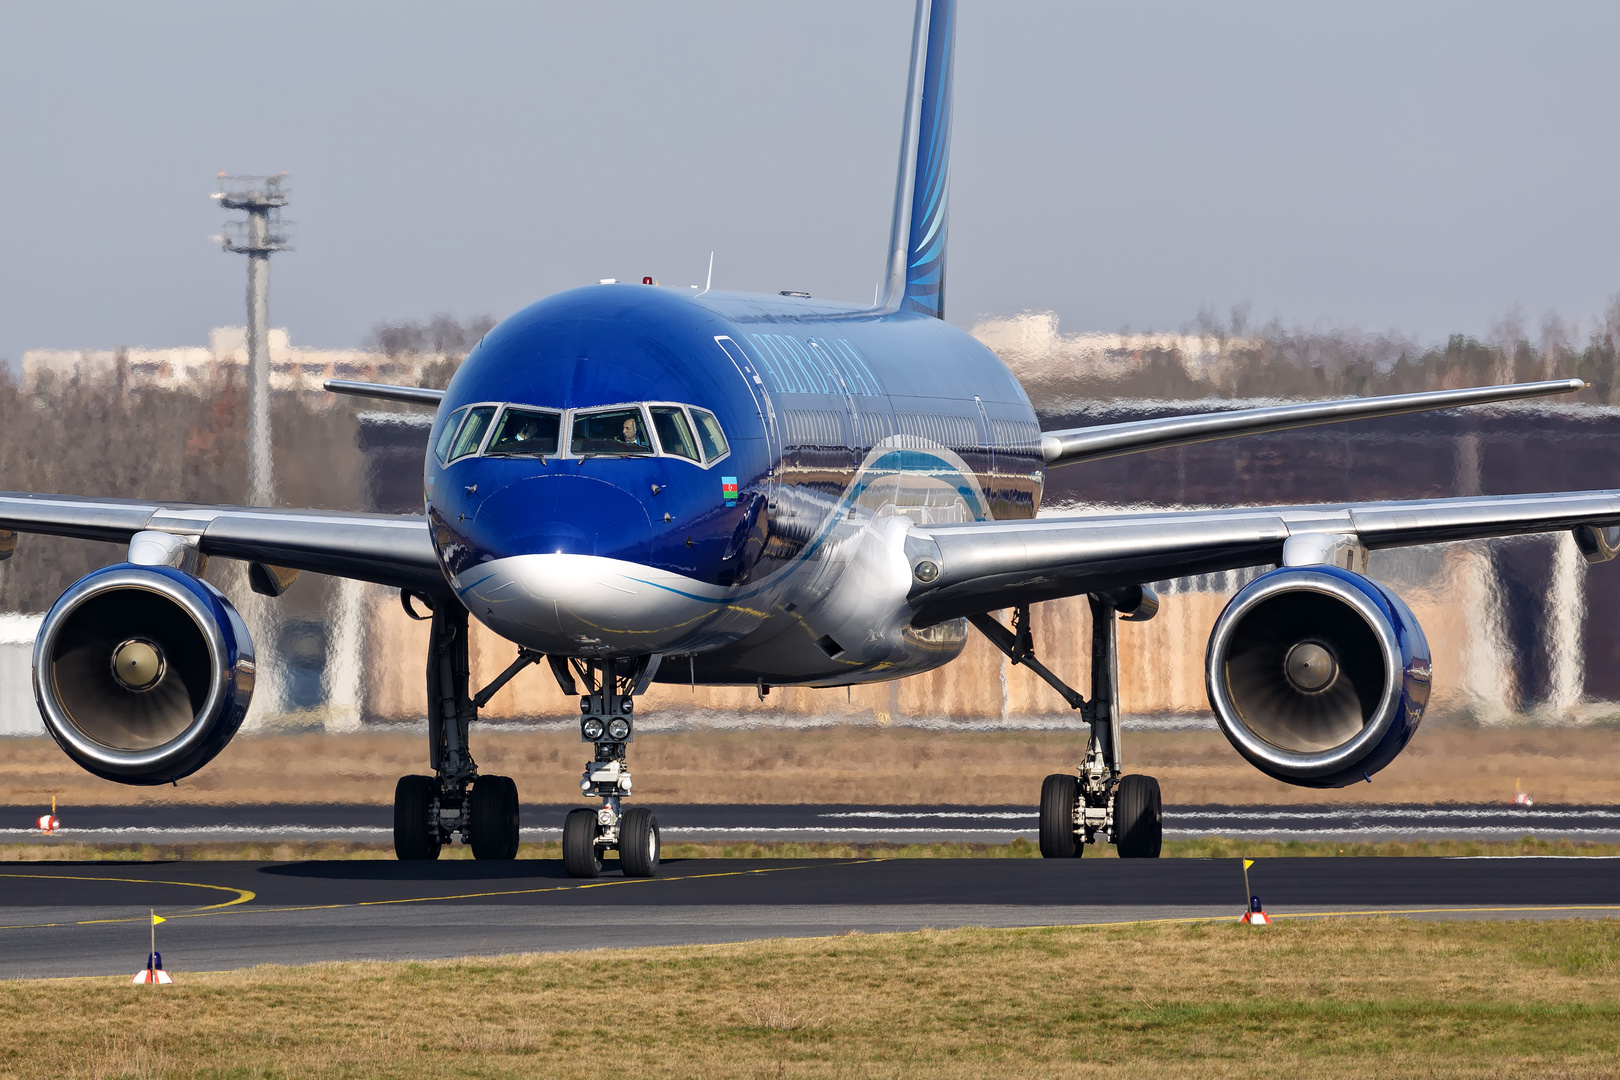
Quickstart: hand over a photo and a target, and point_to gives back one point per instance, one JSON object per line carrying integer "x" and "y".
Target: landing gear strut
{"x": 430, "y": 811}
{"x": 1098, "y": 803}
{"x": 607, "y": 721}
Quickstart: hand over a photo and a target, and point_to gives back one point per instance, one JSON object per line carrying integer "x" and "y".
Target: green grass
{"x": 1328, "y": 998}
{"x": 1204, "y": 848}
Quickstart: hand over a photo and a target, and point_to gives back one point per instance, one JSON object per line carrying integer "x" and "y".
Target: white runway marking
{"x": 965, "y": 824}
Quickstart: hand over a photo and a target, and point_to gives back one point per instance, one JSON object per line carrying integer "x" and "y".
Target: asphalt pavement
{"x": 79, "y": 919}
{"x": 159, "y": 822}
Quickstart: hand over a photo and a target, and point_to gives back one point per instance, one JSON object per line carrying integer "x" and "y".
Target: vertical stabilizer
{"x": 916, "y": 272}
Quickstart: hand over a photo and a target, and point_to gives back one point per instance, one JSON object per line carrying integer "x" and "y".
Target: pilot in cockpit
{"x": 528, "y": 431}
{"x": 631, "y": 434}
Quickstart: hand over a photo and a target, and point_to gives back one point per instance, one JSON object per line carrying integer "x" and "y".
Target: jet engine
{"x": 143, "y": 673}
{"x": 1318, "y": 675}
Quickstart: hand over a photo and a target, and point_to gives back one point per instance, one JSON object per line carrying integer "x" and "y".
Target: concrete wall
{"x": 1161, "y": 663}
{"x": 19, "y": 715}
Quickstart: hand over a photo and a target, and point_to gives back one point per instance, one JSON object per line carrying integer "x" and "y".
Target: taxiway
{"x": 78, "y": 919}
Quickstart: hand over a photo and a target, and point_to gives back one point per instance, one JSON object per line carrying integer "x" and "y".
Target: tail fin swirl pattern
{"x": 917, "y": 243}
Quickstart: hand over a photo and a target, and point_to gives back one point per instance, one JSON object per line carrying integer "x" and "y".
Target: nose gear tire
{"x": 1138, "y": 829}
{"x": 639, "y": 843}
{"x": 1059, "y": 796}
{"x": 494, "y": 818}
{"x": 416, "y": 835}
{"x": 581, "y": 857}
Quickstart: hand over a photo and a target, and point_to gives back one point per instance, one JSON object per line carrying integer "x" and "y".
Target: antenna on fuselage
{"x": 708, "y": 281}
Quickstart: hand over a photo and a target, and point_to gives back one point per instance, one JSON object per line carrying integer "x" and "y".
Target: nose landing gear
{"x": 607, "y": 720}
{"x": 431, "y": 811}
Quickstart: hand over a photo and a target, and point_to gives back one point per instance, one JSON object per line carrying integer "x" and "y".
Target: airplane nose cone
{"x": 571, "y": 515}
{"x": 569, "y": 574}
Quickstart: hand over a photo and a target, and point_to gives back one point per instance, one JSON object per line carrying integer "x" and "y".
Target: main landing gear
{"x": 1097, "y": 803}
{"x": 430, "y": 811}
{"x": 607, "y": 721}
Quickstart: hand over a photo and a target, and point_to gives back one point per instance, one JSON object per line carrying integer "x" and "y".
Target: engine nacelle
{"x": 143, "y": 673}
{"x": 1318, "y": 675}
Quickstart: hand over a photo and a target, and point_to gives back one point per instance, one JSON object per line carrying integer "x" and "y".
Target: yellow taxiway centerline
{"x": 244, "y": 895}
{"x": 1366, "y": 912}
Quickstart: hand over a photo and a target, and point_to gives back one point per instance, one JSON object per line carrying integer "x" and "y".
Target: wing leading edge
{"x": 410, "y": 395}
{"x": 390, "y": 550}
{"x": 1073, "y": 445}
{"x": 985, "y": 566}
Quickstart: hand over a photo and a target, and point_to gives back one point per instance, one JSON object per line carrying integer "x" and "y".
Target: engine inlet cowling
{"x": 1318, "y": 676}
{"x": 143, "y": 673}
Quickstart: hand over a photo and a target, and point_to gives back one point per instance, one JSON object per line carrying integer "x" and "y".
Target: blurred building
{"x": 293, "y": 369}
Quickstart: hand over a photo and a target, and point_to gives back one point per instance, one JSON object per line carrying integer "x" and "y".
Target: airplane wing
{"x": 390, "y": 550}
{"x": 1072, "y": 445}
{"x": 986, "y": 566}
{"x": 410, "y": 395}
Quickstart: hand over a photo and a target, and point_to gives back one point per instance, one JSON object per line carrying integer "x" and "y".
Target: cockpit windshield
{"x": 472, "y": 431}
{"x": 674, "y": 433}
{"x": 441, "y": 449}
{"x": 611, "y": 431}
{"x": 709, "y": 433}
{"x": 525, "y": 433}
{"x": 642, "y": 430}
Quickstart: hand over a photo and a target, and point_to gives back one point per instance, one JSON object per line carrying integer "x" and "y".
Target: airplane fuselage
{"x": 584, "y": 504}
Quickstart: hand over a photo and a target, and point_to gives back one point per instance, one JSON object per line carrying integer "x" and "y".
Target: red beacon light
{"x": 646, "y": 281}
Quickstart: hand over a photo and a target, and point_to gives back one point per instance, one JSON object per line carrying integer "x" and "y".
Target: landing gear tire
{"x": 638, "y": 843}
{"x": 581, "y": 856}
{"x": 1059, "y": 796}
{"x": 494, "y": 818}
{"x": 416, "y": 834}
{"x": 1137, "y": 827}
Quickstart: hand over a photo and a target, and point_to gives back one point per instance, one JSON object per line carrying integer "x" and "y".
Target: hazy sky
{"x": 1421, "y": 167}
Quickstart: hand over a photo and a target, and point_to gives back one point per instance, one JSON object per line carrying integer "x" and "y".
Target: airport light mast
{"x": 262, "y": 234}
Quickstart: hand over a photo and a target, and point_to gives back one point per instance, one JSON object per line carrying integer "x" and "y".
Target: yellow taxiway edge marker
{"x": 1451, "y": 910}
{"x": 242, "y": 897}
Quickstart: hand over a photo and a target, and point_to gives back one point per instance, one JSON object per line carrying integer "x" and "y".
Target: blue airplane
{"x": 634, "y": 484}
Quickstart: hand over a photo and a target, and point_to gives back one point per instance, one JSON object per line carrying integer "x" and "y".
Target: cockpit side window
{"x": 618, "y": 432}
{"x": 525, "y": 433}
{"x": 710, "y": 435}
{"x": 674, "y": 433}
{"x": 441, "y": 449}
{"x": 472, "y": 431}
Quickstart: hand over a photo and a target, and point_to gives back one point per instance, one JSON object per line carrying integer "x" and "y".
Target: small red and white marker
{"x": 48, "y": 823}
{"x": 153, "y": 974}
{"x": 1256, "y": 915}
{"x": 1520, "y": 796}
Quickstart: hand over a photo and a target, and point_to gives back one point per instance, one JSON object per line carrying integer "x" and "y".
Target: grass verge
{"x": 58, "y": 850}
{"x": 1337, "y": 997}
